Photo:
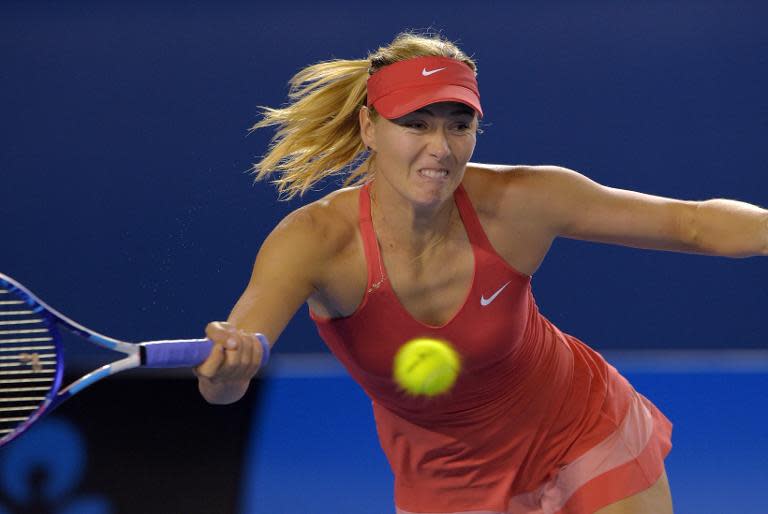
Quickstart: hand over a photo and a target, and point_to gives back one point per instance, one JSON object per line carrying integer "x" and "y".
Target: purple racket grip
{"x": 187, "y": 353}
{"x": 182, "y": 353}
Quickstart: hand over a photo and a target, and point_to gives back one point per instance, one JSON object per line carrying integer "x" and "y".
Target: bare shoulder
{"x": 502, "y": 190}
{"x": 332, "y": 220}
{"x": 511, "y": 176}
{"x": 292, "y": 263}
{"x": 511, "y": 202}
{"x": 562, "y": 202}
{"x": 324, "y": 231}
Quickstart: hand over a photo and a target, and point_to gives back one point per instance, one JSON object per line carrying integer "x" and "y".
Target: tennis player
{"x": 423, "y": 242}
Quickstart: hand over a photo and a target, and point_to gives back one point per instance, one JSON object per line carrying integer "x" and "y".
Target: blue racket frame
{"x": 154, "y": 354}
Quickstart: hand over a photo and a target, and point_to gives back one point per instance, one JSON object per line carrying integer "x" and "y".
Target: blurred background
{"x": 127, "y": 204}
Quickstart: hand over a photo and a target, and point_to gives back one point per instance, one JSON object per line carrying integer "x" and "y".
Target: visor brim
{"x": 403, "y": 101}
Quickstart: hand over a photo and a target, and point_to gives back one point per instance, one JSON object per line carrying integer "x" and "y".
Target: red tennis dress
{"x": 536, "y": 423}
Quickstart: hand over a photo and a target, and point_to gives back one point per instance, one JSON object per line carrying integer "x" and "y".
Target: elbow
{"x": 764, "y": 250}
{"x": 724, "y": 228}
{"x": 689, "y": 227}
{"x": 700, "y": 235}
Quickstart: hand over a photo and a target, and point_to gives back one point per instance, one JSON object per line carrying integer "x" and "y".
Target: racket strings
{"x": 28, "y": 361}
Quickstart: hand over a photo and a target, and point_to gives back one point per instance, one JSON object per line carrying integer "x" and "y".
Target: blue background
{"x": 124, "y": 155}
{"x": 126, "y": 202}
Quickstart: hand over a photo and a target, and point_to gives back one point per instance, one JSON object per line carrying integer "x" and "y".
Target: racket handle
{"x": 181, "y": 353}
{"x": 186, "y": 353}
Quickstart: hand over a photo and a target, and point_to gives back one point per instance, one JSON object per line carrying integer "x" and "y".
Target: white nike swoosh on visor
{"x": 427, "y": 73}
{"x": 484, "y": 301}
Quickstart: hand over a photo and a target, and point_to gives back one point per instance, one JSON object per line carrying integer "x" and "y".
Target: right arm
{"x": 284, "y": 275}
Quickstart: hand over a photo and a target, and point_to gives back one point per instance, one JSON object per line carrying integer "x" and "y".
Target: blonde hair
{"x": 318, "y": 133}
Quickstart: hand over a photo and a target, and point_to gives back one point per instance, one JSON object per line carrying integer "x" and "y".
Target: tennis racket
{"x": 32, "y": 361}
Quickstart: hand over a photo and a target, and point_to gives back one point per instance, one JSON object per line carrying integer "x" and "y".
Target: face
{"x": 423, "y": 154}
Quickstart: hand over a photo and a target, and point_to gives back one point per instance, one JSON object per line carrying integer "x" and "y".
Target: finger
{"x": 246, "y": 353}
{"x": 233, "y": 349}
{"x": 245, "y": 358}
{"x": 232, "y": 343}
{"x": 219, "y": 331}
{"x": 212, "y": 364}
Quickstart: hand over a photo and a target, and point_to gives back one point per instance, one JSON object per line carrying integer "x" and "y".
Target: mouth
{"x": 433, "y": 173}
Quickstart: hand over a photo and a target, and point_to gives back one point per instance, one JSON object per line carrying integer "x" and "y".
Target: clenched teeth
{"x": 433, "y": 173}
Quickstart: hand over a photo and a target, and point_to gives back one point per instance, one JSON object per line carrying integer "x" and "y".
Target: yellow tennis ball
{"x": 426, "y": 366}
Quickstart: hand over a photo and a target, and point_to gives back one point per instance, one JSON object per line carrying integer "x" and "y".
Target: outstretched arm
{"x": 283, "y": 277}
{"x": 579, "y": 208}
{"x": 729, "y": 228}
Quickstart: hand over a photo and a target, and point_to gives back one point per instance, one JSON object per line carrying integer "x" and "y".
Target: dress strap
{"x": 472, "y": 224}
{"x": 370, "y": 244}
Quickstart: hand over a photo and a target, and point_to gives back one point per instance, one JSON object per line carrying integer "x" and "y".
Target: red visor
{"x": 405, "y": 86}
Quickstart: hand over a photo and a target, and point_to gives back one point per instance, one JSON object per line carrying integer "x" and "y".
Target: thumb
{"x": 219, "y": 333}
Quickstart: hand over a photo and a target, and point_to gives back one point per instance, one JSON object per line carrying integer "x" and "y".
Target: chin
{"x": 433, "y": 195}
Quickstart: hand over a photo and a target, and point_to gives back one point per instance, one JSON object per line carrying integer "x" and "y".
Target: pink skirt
{"x": 627, "y": 462}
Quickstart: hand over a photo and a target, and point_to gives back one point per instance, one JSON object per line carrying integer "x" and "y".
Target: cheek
{"x": 465, "y": 148}
{"x": 400, "y": 148}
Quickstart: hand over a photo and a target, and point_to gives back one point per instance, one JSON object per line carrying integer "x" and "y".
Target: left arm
{"x": 580, "y": 208}
{"x": 729, "y": 228}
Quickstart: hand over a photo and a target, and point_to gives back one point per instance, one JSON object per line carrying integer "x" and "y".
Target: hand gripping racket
{"x": 32, "y": 363}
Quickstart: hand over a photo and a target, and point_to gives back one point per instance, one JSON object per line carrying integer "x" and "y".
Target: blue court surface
{"x": 314, "y": 446}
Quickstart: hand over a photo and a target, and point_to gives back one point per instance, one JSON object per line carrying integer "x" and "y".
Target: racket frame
{"x": 138, "y": 355}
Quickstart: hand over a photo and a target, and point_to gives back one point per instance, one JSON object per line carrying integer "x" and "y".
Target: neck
{"x": 414, "y": 229}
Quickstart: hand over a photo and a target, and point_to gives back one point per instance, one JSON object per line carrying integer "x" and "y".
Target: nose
{"x": 437, "y": 145}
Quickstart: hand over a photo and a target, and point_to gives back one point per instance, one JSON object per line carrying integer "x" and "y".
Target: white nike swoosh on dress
{"x": 427, "y": 73}
{"x": 484, "y": 301}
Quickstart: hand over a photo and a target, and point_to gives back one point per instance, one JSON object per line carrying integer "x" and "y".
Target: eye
{"x": 416, "y": 124}
{"x": 462, "y": 127}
